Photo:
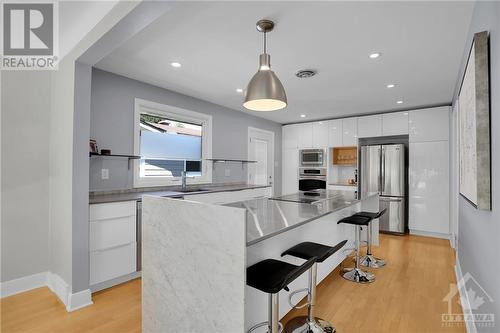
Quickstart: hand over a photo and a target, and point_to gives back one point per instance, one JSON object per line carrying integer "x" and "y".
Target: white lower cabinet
{"x": 112, "y": 263}
{"x": 429, "y": 189}
{"x": 112, "y": 240}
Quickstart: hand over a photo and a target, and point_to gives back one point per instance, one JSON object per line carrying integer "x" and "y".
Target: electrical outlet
{"x": 227, "y": 172}
{"x": 104, "y": 173}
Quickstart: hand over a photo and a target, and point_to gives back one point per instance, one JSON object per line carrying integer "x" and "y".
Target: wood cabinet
{"x": 370, "y": 126}
{"x": 345, "y": 156}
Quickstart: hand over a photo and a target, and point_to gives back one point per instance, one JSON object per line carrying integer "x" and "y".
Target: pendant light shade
{"x": 265, "y": 91}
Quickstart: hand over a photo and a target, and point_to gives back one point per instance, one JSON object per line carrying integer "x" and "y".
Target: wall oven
{"x": 311, "y": 179}
{"x": 312, "y": 157}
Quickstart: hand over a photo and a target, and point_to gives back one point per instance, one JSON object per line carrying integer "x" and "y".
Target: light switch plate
{"x": 104, "y": 173}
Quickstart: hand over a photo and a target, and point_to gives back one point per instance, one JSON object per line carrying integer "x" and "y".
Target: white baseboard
{"x": 464, "y": 300}
{"x": 25, "y": 283}
{"x": 59, "y": 287}
{"x": 79, "y": 300}
{"x": 429, "y": 234}
{"x": 54, "y": 282}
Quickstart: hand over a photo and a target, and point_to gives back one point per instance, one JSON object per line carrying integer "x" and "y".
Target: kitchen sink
{"x": 192, "y": 189}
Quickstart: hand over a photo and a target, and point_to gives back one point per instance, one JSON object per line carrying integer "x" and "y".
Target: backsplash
{"x": 121, "y": 177}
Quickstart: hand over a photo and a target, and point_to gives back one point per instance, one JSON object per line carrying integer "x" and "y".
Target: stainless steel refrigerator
{"x": 383, "y": 170}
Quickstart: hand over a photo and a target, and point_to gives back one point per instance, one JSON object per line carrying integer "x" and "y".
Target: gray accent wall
{"x": 111, "y": 124}
{"x": 25, "y": 173}
{"x": 479, "y": 230}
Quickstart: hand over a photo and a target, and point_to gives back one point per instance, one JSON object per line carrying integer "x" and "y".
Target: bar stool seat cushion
{"x": 371, "y": 215}
{"x": 270, "y": 275}
{"x": 356, "y": 220}
{"x": 307, "y": 250}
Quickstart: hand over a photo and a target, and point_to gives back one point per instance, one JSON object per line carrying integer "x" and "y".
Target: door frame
{"x": 252, "y": 131}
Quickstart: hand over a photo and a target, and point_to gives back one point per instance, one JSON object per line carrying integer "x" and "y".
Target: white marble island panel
{"x": 201, "y": 252}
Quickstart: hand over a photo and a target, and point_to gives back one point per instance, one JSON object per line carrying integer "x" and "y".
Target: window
{"x": 170, "y": 140}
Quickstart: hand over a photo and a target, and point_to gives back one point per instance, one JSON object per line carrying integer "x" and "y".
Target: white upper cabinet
{"x": 335, "y": 133}
{"x": 305, "y": 135}
{"x": 429, "y": 124}
{"x": 349, "y": 132}
{"x": 395, "y": 123}
{"x": 369, "y": 126}
{"x": 290, "y": 168}
{"x": 320, "y": 134}
{"x": 290, "y": 136}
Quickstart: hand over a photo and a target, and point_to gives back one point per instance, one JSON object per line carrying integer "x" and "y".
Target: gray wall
{"x": 479, "y": 231}
{"x": 25, "y": 173}
{"x": 111, "y": 124}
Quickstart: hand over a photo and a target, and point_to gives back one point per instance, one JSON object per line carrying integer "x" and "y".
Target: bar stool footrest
{"x": 302, "y": 325}
{"x": 265, "y": 323}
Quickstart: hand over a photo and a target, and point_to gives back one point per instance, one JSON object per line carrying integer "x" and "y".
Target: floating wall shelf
{"x": 128, "y": 157}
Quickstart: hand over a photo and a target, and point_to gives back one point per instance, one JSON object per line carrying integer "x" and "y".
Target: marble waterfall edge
{"x": 193, "y": 266}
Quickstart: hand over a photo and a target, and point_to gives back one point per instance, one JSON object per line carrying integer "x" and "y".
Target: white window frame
{"x": 181, "y": 115}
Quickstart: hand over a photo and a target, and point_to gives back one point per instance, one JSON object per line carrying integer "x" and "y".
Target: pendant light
{"x": 265, "y": 91}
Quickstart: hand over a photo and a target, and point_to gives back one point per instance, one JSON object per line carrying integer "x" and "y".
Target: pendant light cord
{"x": 265, "y": 43}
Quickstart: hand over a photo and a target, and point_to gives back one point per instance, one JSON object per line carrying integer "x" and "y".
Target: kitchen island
{"x": 195, "y": 255}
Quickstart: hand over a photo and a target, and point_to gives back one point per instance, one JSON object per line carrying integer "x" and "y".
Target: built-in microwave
{"x": 312, "y": 157}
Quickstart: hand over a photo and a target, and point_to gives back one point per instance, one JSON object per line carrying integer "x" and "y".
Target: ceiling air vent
{"x": 305, "y": 73}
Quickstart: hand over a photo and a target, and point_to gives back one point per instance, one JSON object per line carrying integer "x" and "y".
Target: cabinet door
{"x": 320, "y": 134}
{"x": 305, "y": 135}
{"x": 335, "y": 133}
{"x": 395, "y": 123}
{"x": 429, "y": 187}
{"x": 369, "y": 126}
{"x": 349, "y": 132}
{"x": 290, "y": 136}
{"x": 290, "y": 180}
{"x": 429, "y": 124}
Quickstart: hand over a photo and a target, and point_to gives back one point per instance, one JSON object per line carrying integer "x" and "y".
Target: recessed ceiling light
{"x": 399, "y": 102}
{"x": 239, "y": 90}
{"x": 374, "y": 55}
{"x": 391, "y": 85}
{"x": 302, "y": 116}
{"x": 175, "y": 64}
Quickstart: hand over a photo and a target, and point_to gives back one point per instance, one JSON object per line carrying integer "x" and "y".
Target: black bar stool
{"x": 369, "y": 260}
{"x": 356, "y": 274}
{"x": 271, "y": 276}
{"x": 310, "y": 323}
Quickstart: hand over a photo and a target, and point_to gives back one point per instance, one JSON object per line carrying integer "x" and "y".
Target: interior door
{"x": 261, "y": 150}
{"x": 370, "y": 170}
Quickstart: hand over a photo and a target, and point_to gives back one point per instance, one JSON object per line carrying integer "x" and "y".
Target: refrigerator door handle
{"x": 382, "y": 171}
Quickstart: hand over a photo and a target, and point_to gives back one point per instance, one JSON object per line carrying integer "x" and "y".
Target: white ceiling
{"x": 422, "y": 44}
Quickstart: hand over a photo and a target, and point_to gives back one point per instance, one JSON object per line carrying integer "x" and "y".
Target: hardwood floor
{"x": 405, "y": 298}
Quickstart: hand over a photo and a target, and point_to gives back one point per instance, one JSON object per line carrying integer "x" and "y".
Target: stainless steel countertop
{"x": 118, "y": 196}
{"x": 267, "y": 217}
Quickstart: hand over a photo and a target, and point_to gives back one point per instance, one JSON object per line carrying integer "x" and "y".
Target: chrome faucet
{"x": 183, "y": 179}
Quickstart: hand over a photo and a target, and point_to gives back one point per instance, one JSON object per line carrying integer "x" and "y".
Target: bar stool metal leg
{"x": 369, "y": 260}
{"x": 309, "y": 323}
{"x": 273, "y": 324}
{"x": 356, "y": 274}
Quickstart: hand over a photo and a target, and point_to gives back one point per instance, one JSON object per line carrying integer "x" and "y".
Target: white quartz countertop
{"x": 267, "y": 217}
